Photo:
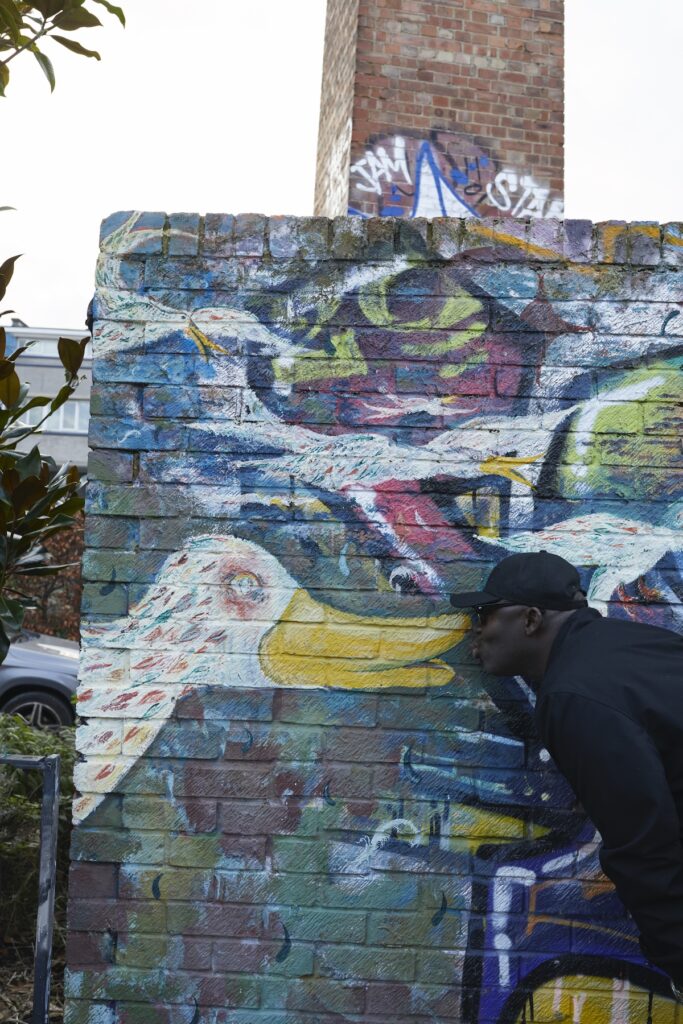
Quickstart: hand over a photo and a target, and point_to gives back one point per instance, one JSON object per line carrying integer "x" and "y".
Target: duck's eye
{"x": 246, "y": 584}
{"x": 403, "y": 581}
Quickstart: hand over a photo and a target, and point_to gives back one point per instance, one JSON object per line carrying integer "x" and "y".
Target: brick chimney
{"x": 435, "y": 108}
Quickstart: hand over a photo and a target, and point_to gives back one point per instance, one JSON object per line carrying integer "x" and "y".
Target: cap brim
{"x": 473, "y": 598}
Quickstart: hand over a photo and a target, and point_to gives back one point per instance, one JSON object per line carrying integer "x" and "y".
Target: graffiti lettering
{"x": 446, "y": 175}
{"x": 520, "y": 196}
{"x": 378, "y": 166}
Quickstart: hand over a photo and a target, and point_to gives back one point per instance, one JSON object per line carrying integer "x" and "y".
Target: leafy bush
{"x": 20, "y": 801}
{"x": 25, "y": 25}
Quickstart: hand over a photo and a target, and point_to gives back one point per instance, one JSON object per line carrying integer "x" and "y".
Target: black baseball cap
{"x": 537, "y": 579}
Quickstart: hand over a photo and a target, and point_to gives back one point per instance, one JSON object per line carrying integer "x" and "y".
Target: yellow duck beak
{"x": 503, "y": 465}
{"x": 315, "y": 645}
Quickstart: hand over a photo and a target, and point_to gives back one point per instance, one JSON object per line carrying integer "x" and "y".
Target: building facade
{"x": 64, "y": 435}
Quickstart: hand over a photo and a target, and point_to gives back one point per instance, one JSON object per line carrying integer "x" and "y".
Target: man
{"x": 609, "y": 710}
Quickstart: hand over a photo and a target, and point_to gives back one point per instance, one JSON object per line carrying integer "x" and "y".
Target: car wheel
{"x": 39, "y": 709}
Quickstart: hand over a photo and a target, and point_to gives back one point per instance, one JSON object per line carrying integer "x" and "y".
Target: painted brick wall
{"x": 301, "y": 802}
{"x": 458, "y": 108}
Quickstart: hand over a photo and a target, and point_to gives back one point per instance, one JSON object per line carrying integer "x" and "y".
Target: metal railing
{"x": 49, "y": 822}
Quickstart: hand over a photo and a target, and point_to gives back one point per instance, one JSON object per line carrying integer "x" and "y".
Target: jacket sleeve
{"x": 616, "y": 772}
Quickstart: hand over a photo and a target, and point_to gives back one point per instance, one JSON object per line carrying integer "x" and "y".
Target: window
{"x": 72, "y": 418}
{"x": 43, "y": 347}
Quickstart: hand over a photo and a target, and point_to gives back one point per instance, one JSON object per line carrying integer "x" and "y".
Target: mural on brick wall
{"x": 445, "y": 175}
{"x": 300, "y": 799}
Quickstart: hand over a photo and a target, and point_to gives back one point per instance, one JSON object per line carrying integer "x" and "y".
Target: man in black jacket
{"x": 609, "y": 710}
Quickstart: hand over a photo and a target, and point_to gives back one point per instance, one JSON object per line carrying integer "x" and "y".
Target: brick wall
{"x": 458, "y": 109}
{"x": 336, "y": 106}
{"x": 301, "y": 802}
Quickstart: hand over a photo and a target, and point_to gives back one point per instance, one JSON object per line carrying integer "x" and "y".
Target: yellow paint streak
{"x": 586, "y": 999}
{"x": 503, "y": 465}
{"x": 374, "y": 302}
{"x": 313, "y": 645}
{"x": 318, "y": 364}
{"x": 450, "y": 370}
{"x": 488, "y": 514}
{"x": 203, "y": 343}
{"x": 455, "y": 341}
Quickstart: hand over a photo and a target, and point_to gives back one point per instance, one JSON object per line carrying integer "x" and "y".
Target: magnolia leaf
{"x": 27, "y": 493}
{"x": 6, "y": 368}
{"x": 11, "y": 618}
{"x": 10, "y": 20}
{"x": 48, "y": 8}
{"x": 9, "y": 390}
{"x": 10, "y": 479}
{"x": 18, "y": 351}
{"x": 113, "y": 9}
{"x": 61, "y": 397}
{"x": 29, "y": 465}
{"x": 6, "y": 271}
{"x": 46, "y": 66}
{"x": 3, "y": 342}
{"x": 35, "y": 403}
{"x": 75, "y": 47}
{"x": 70, "y": 354}
{"x": 4, "y": 78}
{"x": 75, "y": 18}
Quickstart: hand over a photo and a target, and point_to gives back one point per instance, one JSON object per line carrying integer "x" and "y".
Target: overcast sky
{"x": 217, "y": 110}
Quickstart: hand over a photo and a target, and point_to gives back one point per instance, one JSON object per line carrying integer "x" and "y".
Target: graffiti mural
{"x": 300, "y": 799}
{"x": 445, "y": 175}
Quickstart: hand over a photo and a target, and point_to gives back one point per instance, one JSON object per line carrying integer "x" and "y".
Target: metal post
{"x": 49, "y": 824}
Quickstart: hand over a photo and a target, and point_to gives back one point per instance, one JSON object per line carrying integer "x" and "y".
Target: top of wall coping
{"x": 220, "y": 235}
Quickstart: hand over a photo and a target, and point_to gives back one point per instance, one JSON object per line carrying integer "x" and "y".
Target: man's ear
{"x": 533, "y": 621}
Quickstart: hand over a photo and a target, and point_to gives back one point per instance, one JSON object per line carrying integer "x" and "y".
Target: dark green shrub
{"x": 20, "y": 800}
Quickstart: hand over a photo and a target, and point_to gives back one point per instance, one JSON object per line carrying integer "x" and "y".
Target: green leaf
{"x": 11, "y": 618}
{"x": 71, "y": 354}
{"x": 4, "y": 77}
{"x": 29, "y": 465}
{"x": 48, "y": 8}
{"x": 28, "y": 493}
{"x": 6, "y": 272}
{"x": 4, "y": 639}
{"x": 75, "y": 18}
{"x": 10, "y": 20}
{"x": 6, "y": 368}
{"x": 61, "y": 397}
{"x": 18, "y": 351}
{"x": 46, "y": 66}
{"x": 9, "y": 390}
{"x": 75, "y": 47}
{"x": 113, "y": 9}
{"x": 3, "y": 342}
{"x": 35, "y": 403}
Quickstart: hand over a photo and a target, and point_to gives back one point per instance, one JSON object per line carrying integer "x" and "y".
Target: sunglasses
{"x": 482, "y": 612}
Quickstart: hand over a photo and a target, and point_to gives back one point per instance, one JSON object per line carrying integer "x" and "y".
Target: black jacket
{"x": 610, "y": 712}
